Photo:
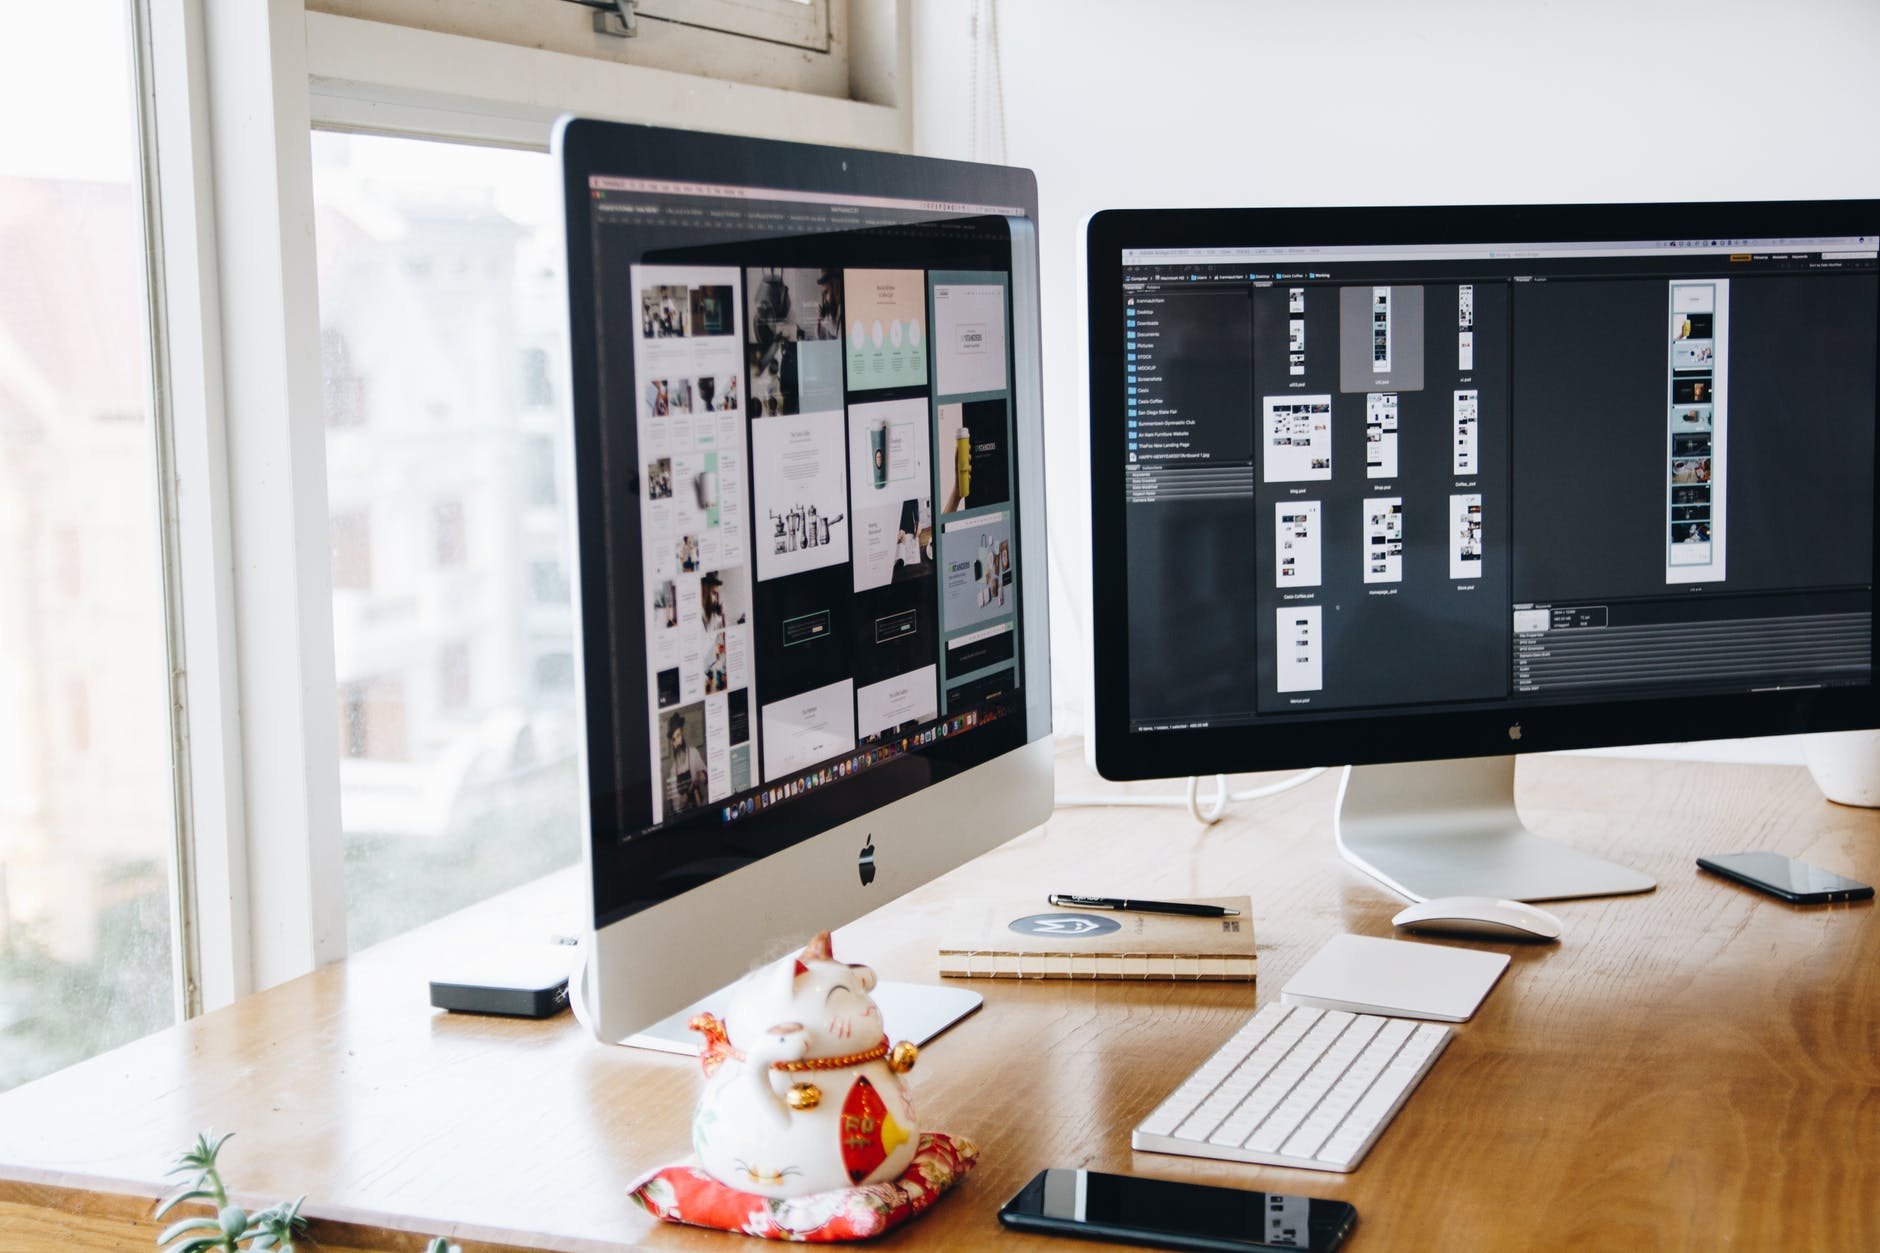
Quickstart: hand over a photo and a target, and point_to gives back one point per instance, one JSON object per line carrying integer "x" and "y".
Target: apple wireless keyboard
{"x": 1296, "y": 1086}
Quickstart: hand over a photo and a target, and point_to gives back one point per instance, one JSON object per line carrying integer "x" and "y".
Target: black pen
{"x": 1184, "y": 908}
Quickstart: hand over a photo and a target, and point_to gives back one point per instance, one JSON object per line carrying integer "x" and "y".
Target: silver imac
{"x": 808, "y": 468}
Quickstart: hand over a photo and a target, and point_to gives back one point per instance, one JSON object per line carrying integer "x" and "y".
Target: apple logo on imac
{"x": 866, "y": 863}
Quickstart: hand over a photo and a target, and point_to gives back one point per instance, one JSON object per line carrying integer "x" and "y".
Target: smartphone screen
{"x": 1176, "y": 1215}
{"x": 1784, "y": 876}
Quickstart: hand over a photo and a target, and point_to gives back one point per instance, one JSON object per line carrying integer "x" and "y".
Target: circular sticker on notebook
{"x": 1065, "y": 926}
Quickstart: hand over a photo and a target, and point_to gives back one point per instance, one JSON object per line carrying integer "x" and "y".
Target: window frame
{"x": 402, "y": 80}
{"x": 231, "y": 91}
{"x": 730, "y": 41}
{"x": 798, "y": 23}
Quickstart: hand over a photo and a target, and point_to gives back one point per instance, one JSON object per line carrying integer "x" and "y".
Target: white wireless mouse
{"x": 1482, "y": 916}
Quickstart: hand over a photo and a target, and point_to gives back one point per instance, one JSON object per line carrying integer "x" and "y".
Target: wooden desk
{"x": 1696, "y": 1068}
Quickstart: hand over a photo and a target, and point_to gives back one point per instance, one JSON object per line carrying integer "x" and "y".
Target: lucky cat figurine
{"x": 803, "y": 1093}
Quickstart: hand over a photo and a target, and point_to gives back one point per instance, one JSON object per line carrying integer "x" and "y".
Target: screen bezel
{"x": 1371, "y": 736}
{"x": 587, "y": 147}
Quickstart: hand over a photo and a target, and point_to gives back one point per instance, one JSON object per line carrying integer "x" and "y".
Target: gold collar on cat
{"x": 900, "y": 1059}
{"x": 833, "y": 1063}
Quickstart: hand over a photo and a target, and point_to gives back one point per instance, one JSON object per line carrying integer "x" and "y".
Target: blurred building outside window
{"x": 87, "y": 821}
{"x": 440, "y": 312}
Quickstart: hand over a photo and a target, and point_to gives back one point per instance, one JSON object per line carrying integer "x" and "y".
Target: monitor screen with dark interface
{"x": 1378, "y": 485}
{"x": 802, "y": 382}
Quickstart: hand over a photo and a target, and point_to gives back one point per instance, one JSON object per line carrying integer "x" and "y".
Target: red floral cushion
{"x": 684, "y": 1193}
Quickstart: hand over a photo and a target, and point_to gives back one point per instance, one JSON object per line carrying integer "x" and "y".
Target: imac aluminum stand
{"x": 1429, "y": 829}
{"x": 916, "y": 1012}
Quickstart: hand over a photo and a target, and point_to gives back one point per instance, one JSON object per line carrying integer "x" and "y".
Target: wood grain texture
{"x": 1694, "y": 1068}
{"x": 37, "y": 1218}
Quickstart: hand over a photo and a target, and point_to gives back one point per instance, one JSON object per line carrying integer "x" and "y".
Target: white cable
{"x": 1284, "y": 785}
{"x": 1213, "y": 813}
{"x": 1215, "y": 809}
{"x": 578, "y": 988}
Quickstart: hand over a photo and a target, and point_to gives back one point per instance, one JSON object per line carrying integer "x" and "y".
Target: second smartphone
{"x": 1796, "y": 882}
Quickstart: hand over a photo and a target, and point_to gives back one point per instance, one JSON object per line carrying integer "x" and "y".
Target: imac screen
{"x": 798, "y": 497}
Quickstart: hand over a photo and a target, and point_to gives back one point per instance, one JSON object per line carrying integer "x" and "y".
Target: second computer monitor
{"x": 1393, "y": 485}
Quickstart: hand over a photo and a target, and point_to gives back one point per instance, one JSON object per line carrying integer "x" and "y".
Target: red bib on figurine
{"x": 869, "y": 1131}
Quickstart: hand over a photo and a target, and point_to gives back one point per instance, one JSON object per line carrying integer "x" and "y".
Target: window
{"x": 352, "y": 551}
{"x": 549, "y": 582}
{"x": 450, "y": 533}
{"x": 344, "y": 390}
{"x": 78, "y": 698}
{"x": 87, "y": 826}
{"x": 439, "y": 316}
{"x": 372, "y": 715}
{"x": 440, "y": 270}
{"x": 542, "y": 472}
{"x": 538, "y": 389}
{"x": 71, "y": 563}
{"x": 453, "y": 676}
{"x": 554, "y": 672}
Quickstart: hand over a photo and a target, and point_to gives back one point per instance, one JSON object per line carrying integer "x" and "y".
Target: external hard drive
{"x": 517, "y": 980}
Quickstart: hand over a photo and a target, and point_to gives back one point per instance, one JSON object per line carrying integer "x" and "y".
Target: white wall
{"x": 1256, "y": 102}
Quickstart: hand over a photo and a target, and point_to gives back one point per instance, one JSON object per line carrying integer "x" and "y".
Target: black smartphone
{"x": 1170, "y": 1215}
{"x": 1796, "y": 882}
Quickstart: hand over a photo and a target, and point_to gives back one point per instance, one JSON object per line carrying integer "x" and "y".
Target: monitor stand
{"x": 1449, "y": 828}
{"x": 916, "y": 1012}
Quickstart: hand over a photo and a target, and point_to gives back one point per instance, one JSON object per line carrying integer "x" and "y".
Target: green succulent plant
{"x": 231, "y": 1228}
